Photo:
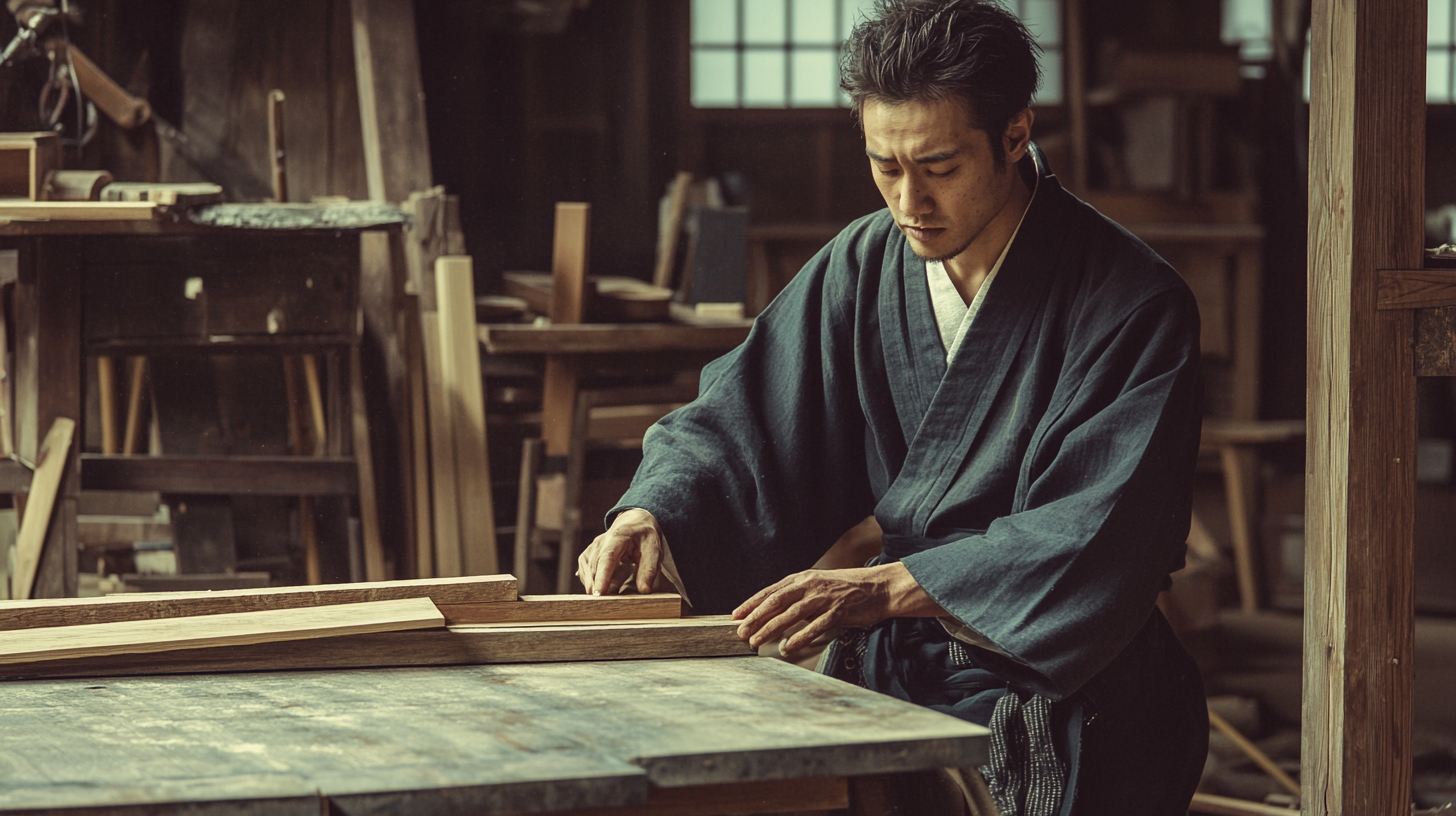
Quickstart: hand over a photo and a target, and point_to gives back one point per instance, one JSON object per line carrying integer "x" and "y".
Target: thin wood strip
{"x": 486, "y": 589}
{"x": 442, "y": 455}
{"x": 460, "y": 368}
{"x": 78, "y": 210}
{"x": 542, "y": 608}
{"x": 775, "y": 796}
{"x": 1208, "y": 803}
{"x": 269, "y": 627}
{"x": 1252, "y": 752}
{"x": 1417, "y": 288}
{"x": 138, "y": 369}
{"x": 714, "y": 636}
{"x": 44, "y": 485}
{"x": 106, "y": 391}
{"x": 1236, "y": 494}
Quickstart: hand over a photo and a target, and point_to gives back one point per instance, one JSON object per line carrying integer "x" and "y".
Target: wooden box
{"x": 25, "y": 160}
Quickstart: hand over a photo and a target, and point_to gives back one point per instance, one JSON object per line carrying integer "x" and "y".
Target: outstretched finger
{"x": 606, "y": 565}
{"x": 777, "y": 626}
{"x": 746, "y": 608}
{"x": 817, "y": 629}
{"x": 773, "y": 606}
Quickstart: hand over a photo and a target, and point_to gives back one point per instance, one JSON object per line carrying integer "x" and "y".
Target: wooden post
{"x": 1366, "y": 198}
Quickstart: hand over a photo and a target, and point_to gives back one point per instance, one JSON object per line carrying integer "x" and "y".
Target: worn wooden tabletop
{"x": 441, "y": 740}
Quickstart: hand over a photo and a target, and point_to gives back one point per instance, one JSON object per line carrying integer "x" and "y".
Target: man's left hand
{"x": 825, "y": 600}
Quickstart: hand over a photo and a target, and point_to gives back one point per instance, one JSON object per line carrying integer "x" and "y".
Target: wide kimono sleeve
{"x": 1102, "y": 508}
{"x": 759, "y": 475}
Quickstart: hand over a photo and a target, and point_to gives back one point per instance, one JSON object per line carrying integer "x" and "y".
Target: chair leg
{"x": 1237, "y": 493}
{"x": 571, "y": 507}
{"x": 526, "y": 511}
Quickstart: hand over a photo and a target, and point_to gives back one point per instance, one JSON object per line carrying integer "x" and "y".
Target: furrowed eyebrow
{"x": 935, "y": 158}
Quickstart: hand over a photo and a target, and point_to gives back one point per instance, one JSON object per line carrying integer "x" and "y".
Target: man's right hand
{"x": 633, "y": 540}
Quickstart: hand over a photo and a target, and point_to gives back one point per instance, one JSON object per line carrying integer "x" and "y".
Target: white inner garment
{"x": 952, "y": 316}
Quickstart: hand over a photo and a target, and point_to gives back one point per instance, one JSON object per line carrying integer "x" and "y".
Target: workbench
{"x": 700, "y": 736}
{"x": 91, "y": 282}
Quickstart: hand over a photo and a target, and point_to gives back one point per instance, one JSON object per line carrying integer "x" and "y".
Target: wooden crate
{"x": 25, "y": 159}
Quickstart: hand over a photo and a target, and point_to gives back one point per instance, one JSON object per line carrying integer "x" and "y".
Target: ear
{"x": 1018, "y": 134}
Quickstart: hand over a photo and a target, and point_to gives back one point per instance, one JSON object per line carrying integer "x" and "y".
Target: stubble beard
{"x": 940, "y": 258}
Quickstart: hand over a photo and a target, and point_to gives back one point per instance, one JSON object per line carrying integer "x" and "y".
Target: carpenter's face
{"x": 937, "y": 172}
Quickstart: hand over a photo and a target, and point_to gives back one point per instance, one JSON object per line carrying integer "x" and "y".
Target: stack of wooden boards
{"x": 449, "y": 621}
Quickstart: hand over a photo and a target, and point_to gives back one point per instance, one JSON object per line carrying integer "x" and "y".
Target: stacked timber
{"x": 428, "y": 622}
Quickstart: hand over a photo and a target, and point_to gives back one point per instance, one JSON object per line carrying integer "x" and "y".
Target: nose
{"x": 914, "y": 200}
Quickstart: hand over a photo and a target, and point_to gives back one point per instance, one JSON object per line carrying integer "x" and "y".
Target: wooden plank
{"x": 50, "y": 467}
{"x": 228, "y": 475}
{"x": 714, "y": 636}
{"x": 486, "y": 590}
{"x": 728, "y": 799}
{"x": 391, "y": 98}
{"x": 1417, "y": 288}
{"x": 668, "y": 240}
{"x": 1366, "y": 205}
{"x": 375, "y": 568}
{"x": 570, "y": 251}
{"x": 48, "y": 368}
{"x": 271, "y": 627}
{"x": 78, "y": 210}
{"x": 543, "y": 608}
{"x": 606, "y": 339}
{"x": 460, "y": 369}
{"x": 444, "y": 495}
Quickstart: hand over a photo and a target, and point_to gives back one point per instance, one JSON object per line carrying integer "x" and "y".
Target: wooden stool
{"x": 1234, "y": 440}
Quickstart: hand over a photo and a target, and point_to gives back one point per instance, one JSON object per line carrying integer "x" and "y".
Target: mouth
{"x": 922, "y": 234}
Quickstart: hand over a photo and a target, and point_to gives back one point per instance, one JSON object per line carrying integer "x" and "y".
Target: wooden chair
{"x": 549, "y": 501}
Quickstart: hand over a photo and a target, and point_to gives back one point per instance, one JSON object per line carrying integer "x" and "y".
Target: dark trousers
{"x": 1144, "y": 736}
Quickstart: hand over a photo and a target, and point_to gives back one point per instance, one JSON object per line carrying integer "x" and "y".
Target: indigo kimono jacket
{"x": 1038, "y": 489}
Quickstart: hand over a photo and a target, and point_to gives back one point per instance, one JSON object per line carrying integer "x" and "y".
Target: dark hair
{"x": 924, "y": 50}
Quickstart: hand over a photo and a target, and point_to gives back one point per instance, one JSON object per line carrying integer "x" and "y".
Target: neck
{"x": 969, "y": 269}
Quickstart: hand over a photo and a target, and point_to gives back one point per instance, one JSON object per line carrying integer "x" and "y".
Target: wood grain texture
{"x": 78, "y": 210}
{"x": 570, "y": 252}
{"x": 541, "y": 608}
{"x": 391, "y": 98}
{"x": 1435, "y": 342}
{"x": 1417, "y": 288}
{"x": 1366, "y": 198}
{"x": 493, "y": 739}
{"x": 488, "y": 590}
{"x": 34, "y": 525}
{"x": 443, "y": 494}
{"x": 270, "y": 627}
{"x": 459, "y": 645}
{"x": 460, "y": 367}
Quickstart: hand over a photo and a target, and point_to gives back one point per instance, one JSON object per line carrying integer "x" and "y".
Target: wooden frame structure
{"x": 1366, "y": 201}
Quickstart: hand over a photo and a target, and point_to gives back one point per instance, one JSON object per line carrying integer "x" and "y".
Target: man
{"x": 1009, "y": 384}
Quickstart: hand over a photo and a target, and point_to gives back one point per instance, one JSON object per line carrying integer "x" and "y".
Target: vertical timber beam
{"x": 1366, "y": 197}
